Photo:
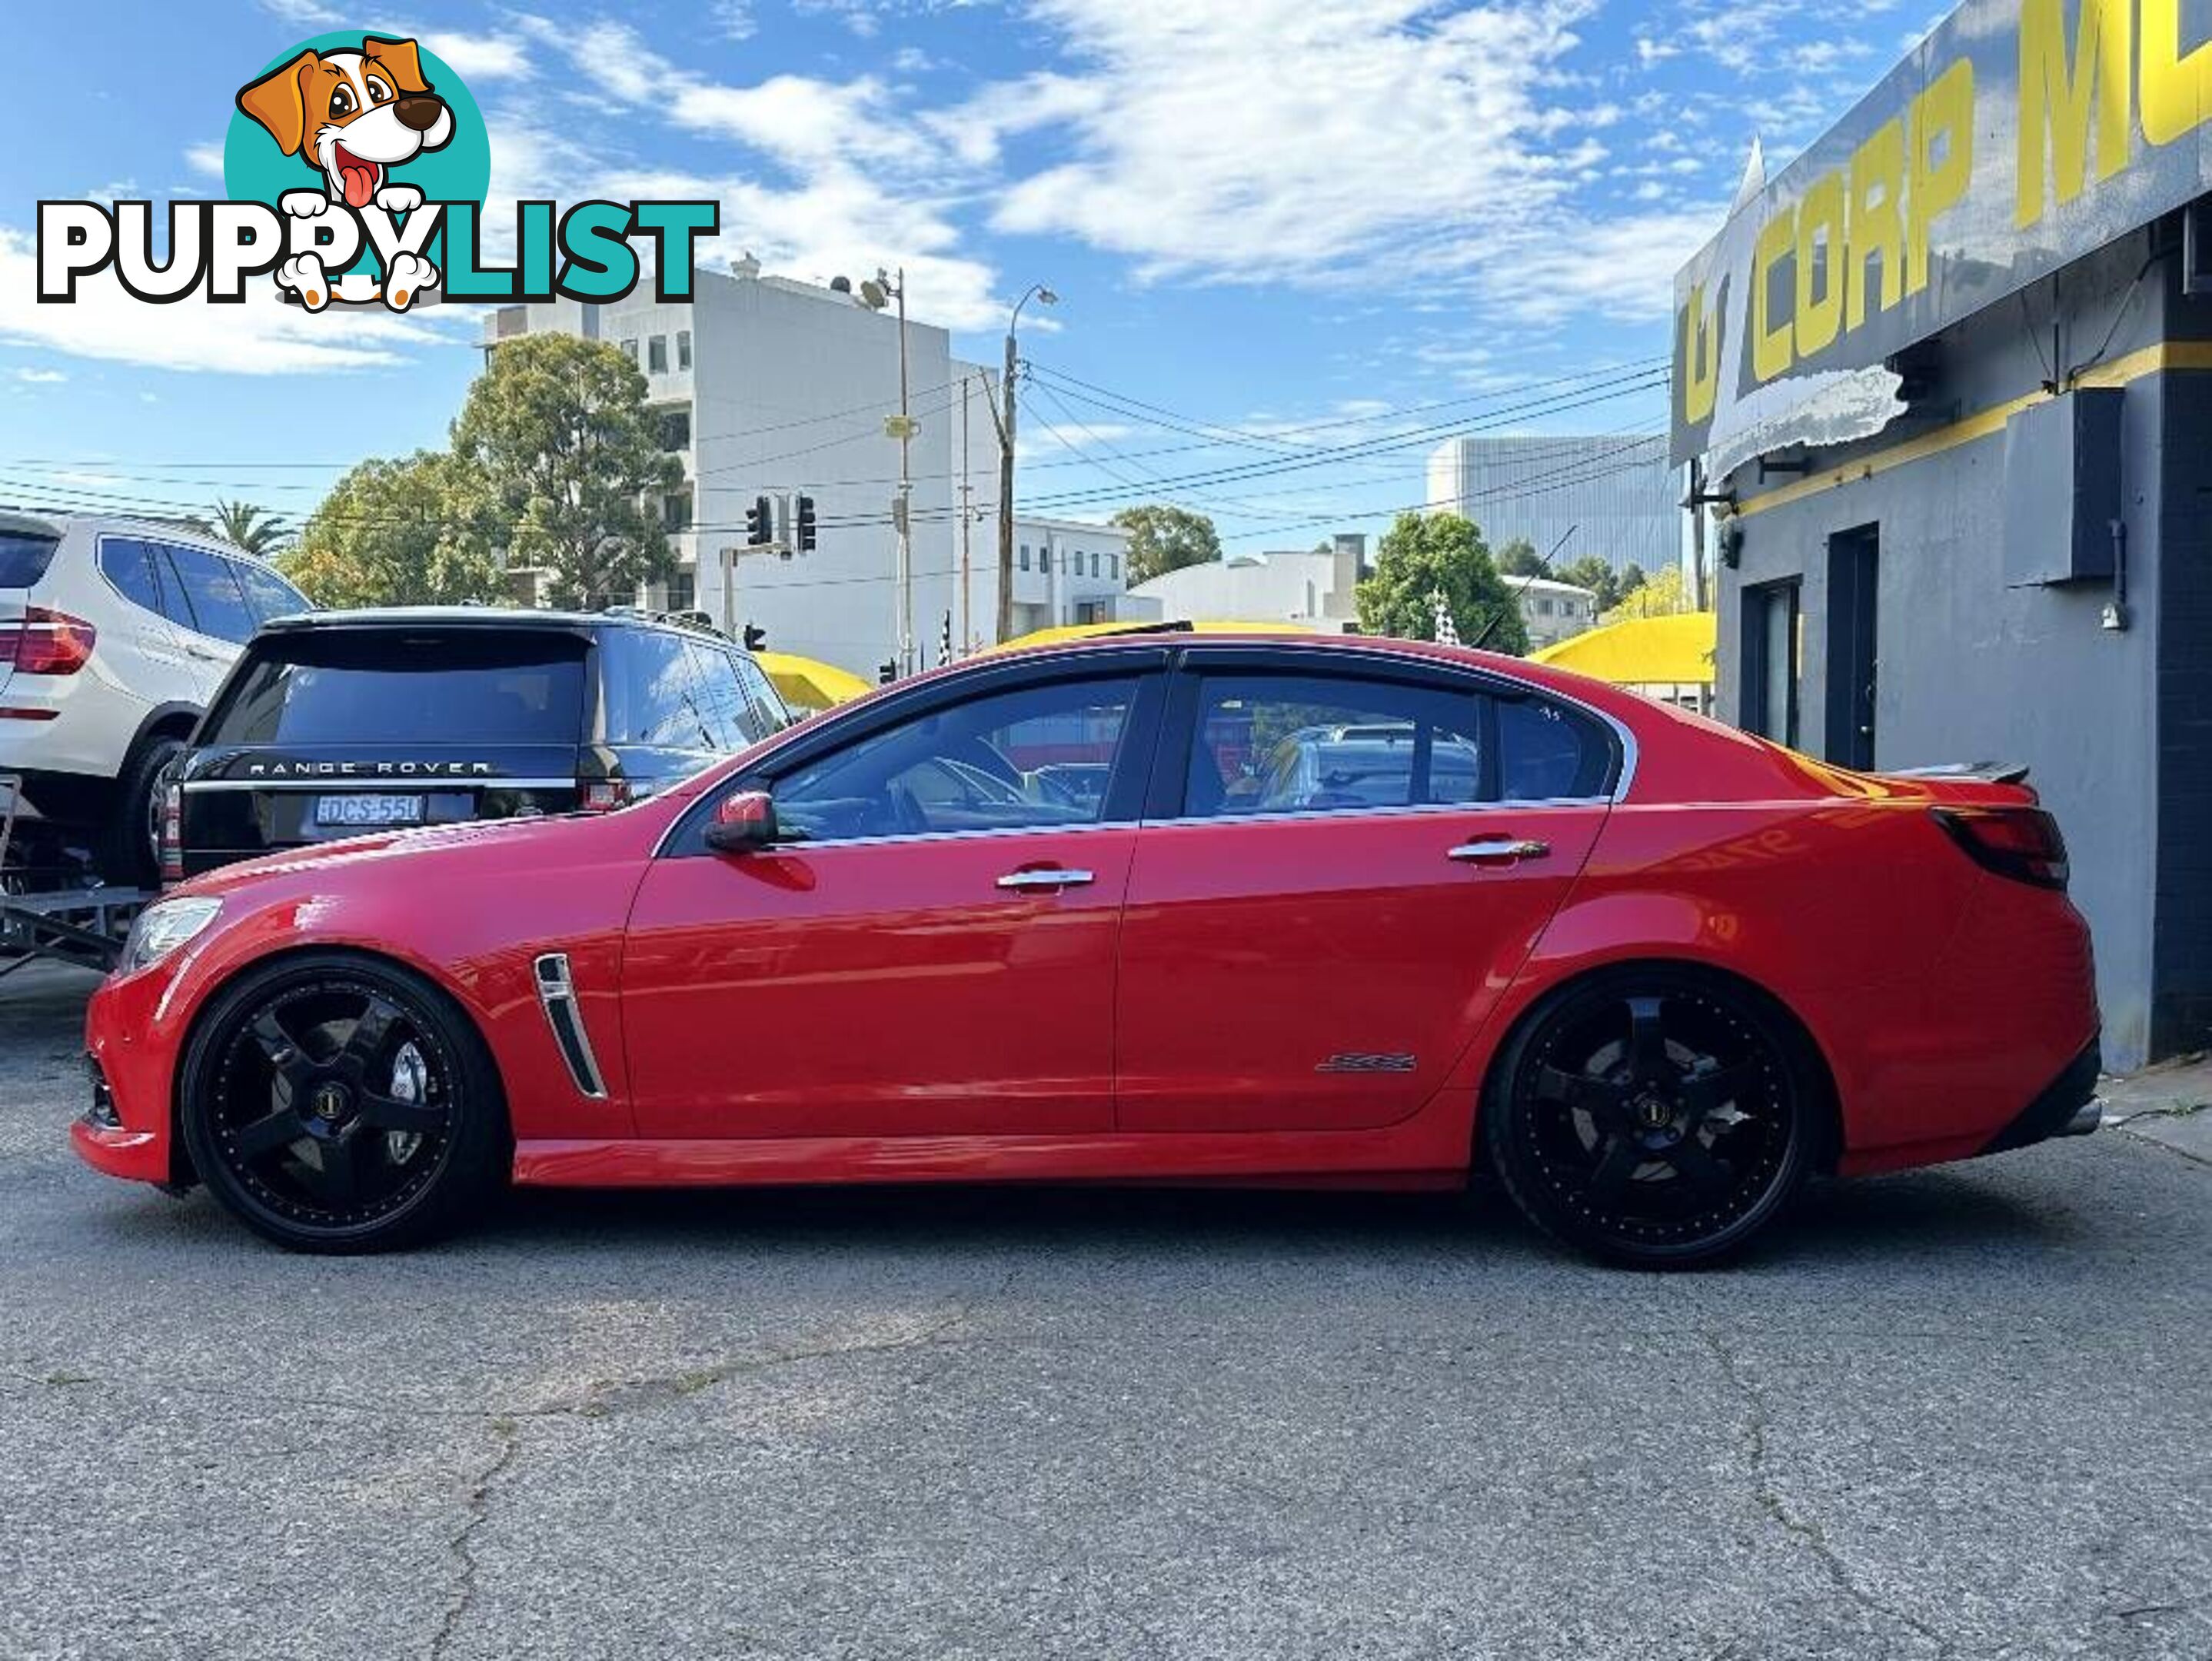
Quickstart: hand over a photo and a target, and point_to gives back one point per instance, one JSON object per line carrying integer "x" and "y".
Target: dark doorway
{"x": 1854, "y": 570}
{"x": 1770, "y": 636}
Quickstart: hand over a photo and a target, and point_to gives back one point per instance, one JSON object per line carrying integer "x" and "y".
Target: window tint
{"x": 1300, "y": 744}
{"x": 724, "y": 708}
{"x": 269, "y": 594}
{"x": 24, "y": 557}
{"x": 653, "y": 691}
{"x": 1547, "y": 753}
{"x": 469, "y": 688}
{"x": 770, "y": 712}
{"x": 129, "y": 564}
{"x": 982, "y": 765}
{"x": 211, "y": 589}
{"x": 683, "y": 348}
{"x": 656, "y": 354}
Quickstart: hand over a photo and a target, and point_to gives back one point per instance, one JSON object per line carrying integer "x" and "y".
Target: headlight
{"x": 163, "y": 927}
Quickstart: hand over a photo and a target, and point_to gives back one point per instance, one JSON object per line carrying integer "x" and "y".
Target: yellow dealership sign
{"x": 2019, "y": 136}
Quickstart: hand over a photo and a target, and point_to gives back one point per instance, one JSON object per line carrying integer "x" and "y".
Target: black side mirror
{"x": 745, "y": 823}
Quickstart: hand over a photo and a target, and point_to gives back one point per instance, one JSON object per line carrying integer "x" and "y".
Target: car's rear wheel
{"x": 131, "y": 851}
{"x": 336, "y": 1104}
{"x": 1654, "y": 1117}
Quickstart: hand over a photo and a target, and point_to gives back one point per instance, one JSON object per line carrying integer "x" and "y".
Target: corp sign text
{"x": 2020, "y": 136}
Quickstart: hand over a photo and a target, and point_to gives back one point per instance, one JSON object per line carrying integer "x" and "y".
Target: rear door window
{"x": 24, "y": 557}
{"x": 729, "y": 713}
{"x": 770, "y": 712}
{"x": 211, "y": 589}
{"x": 1548, "y": 753}
{"x": 128, "y": 564}
{"x": 477, "y": 687}
{"x": 1331, "y": 743}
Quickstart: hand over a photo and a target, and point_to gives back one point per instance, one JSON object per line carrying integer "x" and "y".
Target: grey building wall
{"x": 1613, "y": 490}
{"x": 2116, "y": 725}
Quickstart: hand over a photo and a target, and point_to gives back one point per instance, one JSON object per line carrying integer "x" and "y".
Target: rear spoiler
{"x": 1983, "y": 772}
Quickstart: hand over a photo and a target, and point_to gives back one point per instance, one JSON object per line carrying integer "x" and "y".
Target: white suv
{"x": 114, "y": 634}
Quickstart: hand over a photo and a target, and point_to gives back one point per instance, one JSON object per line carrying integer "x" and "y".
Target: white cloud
{"x": 861, "y": 185}
{"x": 733, "y": 18}
{"x": 1292, "y": 138}
{"x": 303, "y": 12}
{"x": 40, "y": 377}
{"x": 204, "y": 159}
{"x": 480, "y": 57}
{"x": 262, "y": 337}
{"x": 1622, "y": 268}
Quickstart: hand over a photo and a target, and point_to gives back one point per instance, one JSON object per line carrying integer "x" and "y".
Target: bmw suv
{"x": 114, "y": 634}
{"x": 349, "y": 722}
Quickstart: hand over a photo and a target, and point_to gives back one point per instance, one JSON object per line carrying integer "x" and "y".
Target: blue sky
{"x": 1262, "y": 215}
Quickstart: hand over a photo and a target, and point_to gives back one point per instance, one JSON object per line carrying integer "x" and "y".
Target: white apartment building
{"x": 767, "y": 386}
{"x": 1313, "y": 589}
{"x": 1317, "y": 590}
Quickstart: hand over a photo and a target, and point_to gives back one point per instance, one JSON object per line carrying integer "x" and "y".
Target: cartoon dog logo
{"x": 353, "y": 117}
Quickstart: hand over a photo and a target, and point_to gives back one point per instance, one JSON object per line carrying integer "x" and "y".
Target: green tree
{"x": 415, "y": 532}
{"x": 559, "y": 429}
{"x": 1519, "y": 559}
{"x": 249, "y": 526}
{"x": 1163, "y": 538}
{"x": 1422, "y": 556}
{"x": 1632, "y": 579}
{"x": 1662, "y": 596}
{"x": 1591, "y": 572}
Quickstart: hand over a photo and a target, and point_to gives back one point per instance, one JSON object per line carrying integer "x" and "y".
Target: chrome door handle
{"x": 1052, "y": 878}
{"x": 1499, "y": 850}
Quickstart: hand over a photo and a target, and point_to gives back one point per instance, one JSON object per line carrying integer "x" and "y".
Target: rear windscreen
{"x": 474, "y": 686}
{"x": 24, "y": 557}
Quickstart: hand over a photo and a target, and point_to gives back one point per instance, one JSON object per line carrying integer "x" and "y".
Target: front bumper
{"x": 2068, "y": 1106}
{"x": 125, "y": 1129}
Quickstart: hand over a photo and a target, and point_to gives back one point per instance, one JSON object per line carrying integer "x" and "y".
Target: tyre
{"x": 1654, "y": 1117}
{"x": 335, "y": 1104}
{"x": 131, "y": 847}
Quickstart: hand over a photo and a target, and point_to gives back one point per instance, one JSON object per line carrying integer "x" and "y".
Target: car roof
{"x": 481, "y": 616}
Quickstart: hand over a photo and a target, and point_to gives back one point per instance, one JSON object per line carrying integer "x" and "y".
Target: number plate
{"x": 369, "y": 809}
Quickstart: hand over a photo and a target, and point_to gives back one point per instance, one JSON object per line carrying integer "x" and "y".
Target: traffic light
{"x": 805, "y": 525}
{"x": 756, "y": 637}
{"x": 760, "y": 523}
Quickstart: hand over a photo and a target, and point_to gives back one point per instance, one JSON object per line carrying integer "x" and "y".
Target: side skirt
{"x": 1429, "y": 1150}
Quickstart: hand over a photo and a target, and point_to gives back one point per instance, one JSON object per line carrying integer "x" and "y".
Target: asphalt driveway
{"x": 1964, "y": 1413}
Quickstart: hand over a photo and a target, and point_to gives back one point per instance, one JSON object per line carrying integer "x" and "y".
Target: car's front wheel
{"x": 337, "y": 1104}
{"x": 1654, "y": 1117}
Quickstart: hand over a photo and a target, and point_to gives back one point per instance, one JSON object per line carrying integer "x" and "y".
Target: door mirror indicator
{"x": 744, "y": 823}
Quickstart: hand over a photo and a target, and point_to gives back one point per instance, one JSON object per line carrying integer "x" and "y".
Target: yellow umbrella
{"x": 1666, "y": 651}
{"x": 808, "y": 684}
{"x": 1068, "y": 631}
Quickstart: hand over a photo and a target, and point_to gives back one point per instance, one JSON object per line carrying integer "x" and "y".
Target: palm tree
{"x": 248, "y": 525}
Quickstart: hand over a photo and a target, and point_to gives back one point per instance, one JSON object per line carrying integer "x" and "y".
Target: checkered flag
{"x": 1447, "y": 633}
{"x": 944, "y": 642}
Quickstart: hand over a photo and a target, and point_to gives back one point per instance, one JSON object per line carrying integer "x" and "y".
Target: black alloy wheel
{"x": 338, "y": 1106}
{"x": 1654, "y": 1117}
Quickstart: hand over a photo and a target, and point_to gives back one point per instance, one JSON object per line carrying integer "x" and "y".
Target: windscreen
{"x": 24, "y": 557}
{"x": 479, "y": 686}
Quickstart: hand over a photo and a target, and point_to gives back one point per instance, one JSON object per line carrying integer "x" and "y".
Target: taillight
{"x": 604, "y": 795}
{"x": 172, "y": 836}
{"x": 47, "y": 642}
{"x": 2019, "y": 843}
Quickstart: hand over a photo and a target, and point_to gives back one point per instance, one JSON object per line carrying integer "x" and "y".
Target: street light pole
{"x": 906, "y": 496}
{"x": 1005, "y": 628}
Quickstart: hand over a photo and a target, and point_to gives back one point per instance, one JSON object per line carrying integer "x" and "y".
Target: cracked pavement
{"x": 1964, "y": 1413}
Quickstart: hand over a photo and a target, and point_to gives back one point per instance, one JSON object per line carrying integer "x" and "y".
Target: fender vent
{"x": 557, "y": 991}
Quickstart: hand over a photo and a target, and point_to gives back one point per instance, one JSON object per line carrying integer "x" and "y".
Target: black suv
{"x": 346, "y": 723}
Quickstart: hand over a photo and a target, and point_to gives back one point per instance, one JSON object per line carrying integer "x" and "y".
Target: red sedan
{"x": 1153, "y": 908}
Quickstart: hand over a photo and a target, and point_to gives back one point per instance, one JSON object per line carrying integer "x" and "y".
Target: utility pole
{"x": 967, "y": 512}
{"x": 1005, "y": 628}
{"x": 906, "y": 498}
{"x": 1005, "y": 621}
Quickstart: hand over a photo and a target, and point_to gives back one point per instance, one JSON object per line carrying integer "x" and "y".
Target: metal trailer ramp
{"x": 52, "y": 914}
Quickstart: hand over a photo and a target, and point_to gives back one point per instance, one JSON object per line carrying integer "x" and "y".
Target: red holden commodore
{"x": 1156, "y": 907}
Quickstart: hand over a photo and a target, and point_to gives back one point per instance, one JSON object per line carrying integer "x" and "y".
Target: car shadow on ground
{"x": 1929, "y": 1215}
